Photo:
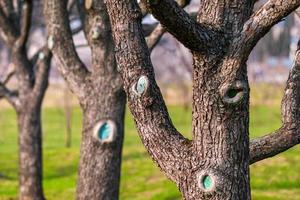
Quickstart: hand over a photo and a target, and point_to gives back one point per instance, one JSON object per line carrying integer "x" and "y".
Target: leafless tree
{"x": 32, "y": 81}
{"x": 215, "y": 163}
{"x": 99, "y": 91}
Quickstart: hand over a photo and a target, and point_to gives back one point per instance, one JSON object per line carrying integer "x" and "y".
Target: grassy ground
{"x": 277, "y": 178}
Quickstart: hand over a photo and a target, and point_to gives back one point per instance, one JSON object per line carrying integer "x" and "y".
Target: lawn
{"x": 277, "y": 178}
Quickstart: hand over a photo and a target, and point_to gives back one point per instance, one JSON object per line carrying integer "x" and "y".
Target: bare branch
{"x": 149, "y": 28}
{"x": 25, "y": 24}
{"x": 145, "y": 100}
{"x": 61, "y": 43}
{"x": 262, "y": 21}
{"x": 42, "y": 73}
{"x": 159, "y": 30}
{"x": 289, "y": 134}
{"x": 155, "y": 36}
{"x": 10, "y": 96}
{"x": 7, "y": 30}
{"x": 143, "y": 7}
{"x": 71, "y": 5}
{"x": 274, "y": 143}
{"x": 193, "y": 35}
{"x": 7, "y": 7}
{"x": 297, "y": 11}
{"x": 9, "y": 74}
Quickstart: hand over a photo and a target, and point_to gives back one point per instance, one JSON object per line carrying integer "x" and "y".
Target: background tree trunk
{"x": 30, "y": 96}
{"x": 32, "y": 81}
{"x": 100, "y": 164}
{"x": 100, "y": 94}
{"x": 30, "y": 153}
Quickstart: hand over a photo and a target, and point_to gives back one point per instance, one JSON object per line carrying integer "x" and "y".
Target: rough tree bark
{"x": 32, "y": 78}
{"x": 215, "y": 164}
{"x": 100, "y": 93}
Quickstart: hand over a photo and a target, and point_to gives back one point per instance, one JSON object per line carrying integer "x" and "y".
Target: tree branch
{"x": 289, "y": 134}
{"x": 8, "y": 8}
{"x": 155, "y": 36}
{"x": 10, "y": 73}
{"x": 42, "y": 73}
{"x": 143, "y": 7}
{"x": 7, "y": 32}
{"x": 61, "y": 43}
{"x": 193, "y": 35}
{"x": 262, "y": 21}
{"x": 297, "y": 11}
{"x": 10, "y": 96}
{"x": 164, "y": 143}
{"x": 25, "y": 24}
{"x": 71, "y": 4}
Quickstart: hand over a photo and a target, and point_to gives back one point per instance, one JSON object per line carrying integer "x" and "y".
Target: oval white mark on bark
{"x": 207, "y": 181}
{"x": 105, "y": 131}
{"x": 50, "y": 42}
{"x": 41, "y": 56}
{"x": 141, "y": 86}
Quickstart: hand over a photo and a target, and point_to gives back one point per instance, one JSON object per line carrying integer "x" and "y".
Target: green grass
{"x": 277, "y": 178}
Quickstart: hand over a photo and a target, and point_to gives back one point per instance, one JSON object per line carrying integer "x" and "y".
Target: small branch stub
{"x": 88, "y": 4}
{"x": 105, "y": 131}
{"x": 96, "y": 32}
{"x": 41, "y": 56}
{"x": 233, "y": 93}
{"x": 141, "y": 86}
{"x": 50, "y": 42}
{"x": 207, "y": 181}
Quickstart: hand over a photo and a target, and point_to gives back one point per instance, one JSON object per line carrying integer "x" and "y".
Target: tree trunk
{"x": 215, "y": 164}
{"x": 100, "y": 162}
{"x": 30, "y": 153}
{"x": 220, "y": 130}
{"x": 32, "y": 78}
{"x": 99, "y": 90}
{"x": 100, "y": 94}
{"x": 31, "y": 91}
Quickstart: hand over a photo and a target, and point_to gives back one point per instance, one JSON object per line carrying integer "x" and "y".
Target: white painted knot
{"x": 105, "y": 131}
{"x": 88, "y": 4}
{"x": 50, "y": 42}
{"x": 141, "y": 86}
{"x": 41, "y": 56}
{"x": 207, "y": 181}
{"x": 233, "y": 93}
{"x": 96, "y": 32}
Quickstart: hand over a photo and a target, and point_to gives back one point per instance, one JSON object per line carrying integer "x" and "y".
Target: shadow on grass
{"x": 5, "y": 177}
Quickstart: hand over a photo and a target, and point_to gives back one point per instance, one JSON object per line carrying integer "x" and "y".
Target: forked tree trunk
{"x": 215, "y": 164}
{"x": 100, "y": 94}
{"x": 28, "y": 105}
{"x": 32, "y": 79}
